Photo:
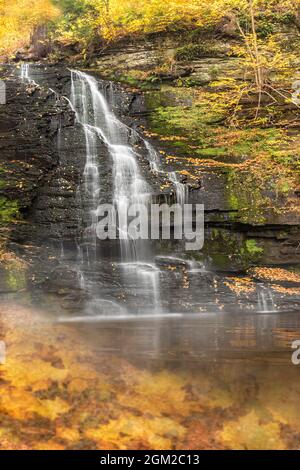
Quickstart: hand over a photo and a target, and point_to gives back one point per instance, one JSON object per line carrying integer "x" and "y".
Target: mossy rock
{"x": 9, "y": 211}
{"x": 198, "y": 51}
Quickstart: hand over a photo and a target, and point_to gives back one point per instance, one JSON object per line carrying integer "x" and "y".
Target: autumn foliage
{"x": 86, "y": 21}
{"x": 18, "y": 18}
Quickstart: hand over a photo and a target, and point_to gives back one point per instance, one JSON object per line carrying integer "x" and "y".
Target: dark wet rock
{"x": 171, "y": 261}
{"x": 31, "y": 121}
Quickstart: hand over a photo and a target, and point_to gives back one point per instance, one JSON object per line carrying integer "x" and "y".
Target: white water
{"x": 126, "y": 317}
{"x": 154, "y": 159}
{"x": 84, "y": 104}
{"x": 181, "y": 189}
{"x": 98, "y": 121}
{"x": 146, "y": 277}
{"x": 25, "y": 72}
{"x": 129, "y": 187}
{"x": 265, "y": 300}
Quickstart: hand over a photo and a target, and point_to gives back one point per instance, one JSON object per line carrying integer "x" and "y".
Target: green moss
{"x": 212, "y": 152}
{"x": 227, "y": 248}
{"x": 244, "y": 195}
{"x": 195, "y": 124}
{"x": 199, "y": 122}
{"x": 9, "y": 210}
{"x": 15, "y": 278}
{"x": 197, "y": 51}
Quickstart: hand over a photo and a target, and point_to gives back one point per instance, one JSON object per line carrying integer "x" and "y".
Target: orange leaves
{"x": 132, "y": 432}
{"x": 241, "y": 285}
{"x": 58, "y": 392}
{"x": 251, "y": 432}
{"x": 276, "y": 274}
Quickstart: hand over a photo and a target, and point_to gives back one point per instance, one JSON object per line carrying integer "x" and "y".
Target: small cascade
{"x": 181, "y": 189}
{"x": 151, "y": 276}
{"x": 25, "y": 72}
{"x": 153, "y": 157}
{"x": 146, "y": 278}
{"x": 81, "y": 279}
{"x": 265, "y": 300}
{"x": 155, "y": 165}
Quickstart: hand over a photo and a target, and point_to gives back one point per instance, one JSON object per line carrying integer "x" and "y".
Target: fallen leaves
{"x": 240, "y": 285}
{"x": 251, "y": 433}
{"x": 276, "y": 275}
{"x": 58, "y": 392}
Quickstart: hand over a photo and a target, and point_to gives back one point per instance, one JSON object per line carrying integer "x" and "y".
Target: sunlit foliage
{"x": 18, "y": 18}
{"x": 112, "y": 19}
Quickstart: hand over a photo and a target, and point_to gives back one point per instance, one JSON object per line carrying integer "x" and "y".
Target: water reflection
{"x": 177, "y": 383}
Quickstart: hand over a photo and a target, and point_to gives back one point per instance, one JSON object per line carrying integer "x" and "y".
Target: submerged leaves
{"x": 59, "y": 392}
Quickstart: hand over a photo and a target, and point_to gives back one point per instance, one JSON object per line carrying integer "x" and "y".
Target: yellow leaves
{"x": 67, "y": 434}
{"x": 157, "y": 394}
{"x": 22, "y": 405}
{"x": 240, "y": 285}
{"x": 51, "y": 409}
{"x": 173, "y": 138}
{"x": 134, "y": 432}
{"x": 49, "y": 445}
{"x": 282, "y": 281}
{"x": 34, "y": 371}
{"x": 252, "y": 433}
{"x": 283, "y": 405}
{"x": 17, "y": 20}
{"x": 58, "y": 392}
{"x": 275, "y": 274}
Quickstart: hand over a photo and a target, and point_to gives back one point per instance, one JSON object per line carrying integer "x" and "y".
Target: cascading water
{"x": 98, "y": 121}
{"x": 92, "y": 102}
{"x": 265, "y": 300}
{"x": 85, "y": 107}
{"x": 129, "y": 187}
{"x": 25, "y": 72}
{"x": 181, "y": 189}
{"x": 155, "y": 165}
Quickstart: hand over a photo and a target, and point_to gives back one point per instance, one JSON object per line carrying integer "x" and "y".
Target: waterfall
{"x": 154, "y": 159}
{"x": 92, "y": 103}
{"x": 25, "y": 72}
{"x": 99, "y": 122}
{"x": 181, "y": 189}
{"x": 155, "y": 165}
{"x": 83, "y": 103}
{"x": 265, "y": 299}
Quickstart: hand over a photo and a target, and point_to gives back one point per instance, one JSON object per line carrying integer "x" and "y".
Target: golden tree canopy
{"x": 18, "y": 19}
